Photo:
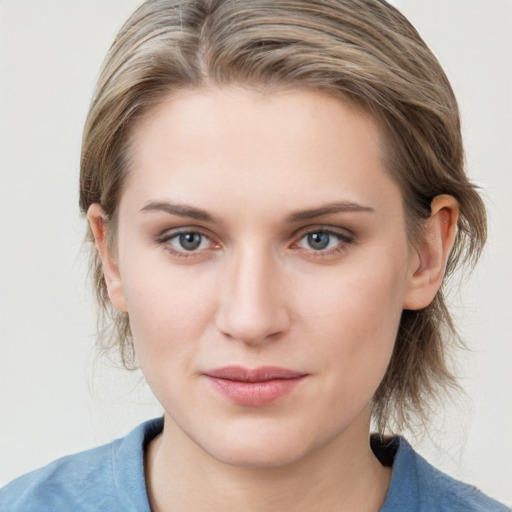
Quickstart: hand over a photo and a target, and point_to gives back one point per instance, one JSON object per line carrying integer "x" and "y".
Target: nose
{"x": 253, "y": 304}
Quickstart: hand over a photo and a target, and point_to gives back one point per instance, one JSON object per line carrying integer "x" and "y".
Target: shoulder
{"x": 440, "y": 490}
{"x": 103, "y": 478}
{"x": 417, "y": 485}
{"x": 66, "y": 481}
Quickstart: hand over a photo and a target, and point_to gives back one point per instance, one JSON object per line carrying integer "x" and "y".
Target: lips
{"x": 254, "y": 387}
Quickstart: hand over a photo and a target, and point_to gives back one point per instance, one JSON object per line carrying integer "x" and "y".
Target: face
{"x": 264, "y": 264}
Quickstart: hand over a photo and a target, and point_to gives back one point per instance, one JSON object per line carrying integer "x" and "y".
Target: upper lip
{"x": 262, "y": 374}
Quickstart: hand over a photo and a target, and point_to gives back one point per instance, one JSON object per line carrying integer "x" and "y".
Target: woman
{"x": 276, "y": 192}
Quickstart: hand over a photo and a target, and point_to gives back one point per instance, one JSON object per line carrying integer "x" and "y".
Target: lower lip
{"x": 254, "y": 394}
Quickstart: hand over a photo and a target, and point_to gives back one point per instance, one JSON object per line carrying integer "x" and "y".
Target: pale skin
{"x": 263, "y": 229}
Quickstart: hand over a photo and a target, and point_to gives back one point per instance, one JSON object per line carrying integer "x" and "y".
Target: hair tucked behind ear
{"x": 362, "y": 51}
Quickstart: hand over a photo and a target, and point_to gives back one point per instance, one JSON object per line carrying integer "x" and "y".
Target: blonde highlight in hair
{"x": 362, "y": 51}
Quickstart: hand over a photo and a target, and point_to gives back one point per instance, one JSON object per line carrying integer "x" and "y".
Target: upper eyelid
{"x": 339, "y": 231}
{"x": 173, "y": 232}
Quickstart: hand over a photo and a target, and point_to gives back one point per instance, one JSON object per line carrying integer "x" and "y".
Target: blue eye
{"x": 319, "y": 241}
{"x": 322, "y": 240}
{"x": 189, "y": 241}
{"x": 186, "y": 242}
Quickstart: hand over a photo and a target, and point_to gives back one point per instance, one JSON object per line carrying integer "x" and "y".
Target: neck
{"x": 342, "y": 475}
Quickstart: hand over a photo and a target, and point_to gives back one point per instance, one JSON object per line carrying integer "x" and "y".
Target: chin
{"x": 256, "y": 445}
{"x": 263, "y": 455}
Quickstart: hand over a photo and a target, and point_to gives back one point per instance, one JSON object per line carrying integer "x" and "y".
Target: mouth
{"x": 254, "y": 387}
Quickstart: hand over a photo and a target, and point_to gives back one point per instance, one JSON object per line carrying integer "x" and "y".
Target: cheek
{"x": 361, "y": 297}
{"x": 169, "y": 309}
{"x": 355, "y": 317}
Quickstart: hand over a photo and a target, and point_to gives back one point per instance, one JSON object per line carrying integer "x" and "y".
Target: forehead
{"x": 286, "y": 145}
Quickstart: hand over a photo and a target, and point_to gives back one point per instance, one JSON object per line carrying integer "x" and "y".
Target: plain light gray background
{"x": 55, "y": 399}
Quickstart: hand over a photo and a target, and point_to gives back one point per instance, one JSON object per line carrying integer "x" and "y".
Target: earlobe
{"x": 431, "y": 255}
{"x": 97, "y": 220}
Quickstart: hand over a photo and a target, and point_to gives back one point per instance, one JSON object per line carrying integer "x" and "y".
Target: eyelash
{"x": 166, "y": 238}
{"x": 344, "y": 240}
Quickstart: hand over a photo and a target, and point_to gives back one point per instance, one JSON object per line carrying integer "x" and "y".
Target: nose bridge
{"x": 253, "y": 303}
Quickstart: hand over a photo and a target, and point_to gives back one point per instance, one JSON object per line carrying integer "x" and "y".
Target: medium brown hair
{"x": 363, "y": 51}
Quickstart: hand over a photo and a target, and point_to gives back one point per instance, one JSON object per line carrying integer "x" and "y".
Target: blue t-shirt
{"x": 111, "y": 478}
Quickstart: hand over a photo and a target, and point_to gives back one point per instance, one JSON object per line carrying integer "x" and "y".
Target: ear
{"x": 429, "y": 260}
{"x": 97, "y": 221}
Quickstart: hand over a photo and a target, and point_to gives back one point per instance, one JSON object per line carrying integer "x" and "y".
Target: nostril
{"x": 251, "y": 324}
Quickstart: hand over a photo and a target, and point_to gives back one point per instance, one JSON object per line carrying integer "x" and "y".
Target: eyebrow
{"x": 329, "y": 209}
{"x": 191, "y": 212}
{"x": 181, "y": 210}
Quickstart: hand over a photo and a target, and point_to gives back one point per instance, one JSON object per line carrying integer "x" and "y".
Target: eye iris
{"x": 318, "y": 241}
{"x": 190, "y": 241}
